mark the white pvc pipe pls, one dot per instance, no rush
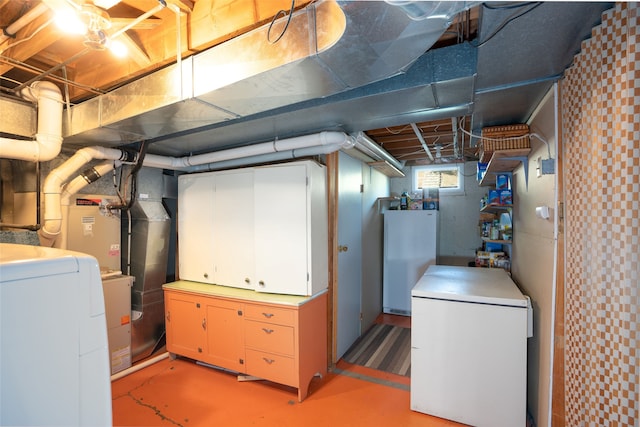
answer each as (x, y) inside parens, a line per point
(52, 189)
(72, 188)
(271, 157)
(321, 143)
(19, 23)
(79, 182)
(48, 140)
(139, 366)
(251, 151)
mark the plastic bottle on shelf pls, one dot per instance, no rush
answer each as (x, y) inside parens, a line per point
(404, 201)
(495, 231)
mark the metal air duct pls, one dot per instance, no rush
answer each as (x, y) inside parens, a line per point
(329, 47)
(148, 253)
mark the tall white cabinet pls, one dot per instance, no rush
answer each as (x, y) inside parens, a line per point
(261, 228)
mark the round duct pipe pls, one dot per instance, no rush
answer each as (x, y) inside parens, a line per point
(48, 140)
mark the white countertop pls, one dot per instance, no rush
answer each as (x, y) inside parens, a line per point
(469, 284)
(237, 293)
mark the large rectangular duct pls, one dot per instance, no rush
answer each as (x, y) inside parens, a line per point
(328, 47)
(148, 257)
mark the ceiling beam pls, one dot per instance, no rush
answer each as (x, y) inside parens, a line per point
(147, 24)
(424, 144)
(135, 52)
(40, 34)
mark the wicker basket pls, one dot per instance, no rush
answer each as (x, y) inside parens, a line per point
(497, 138)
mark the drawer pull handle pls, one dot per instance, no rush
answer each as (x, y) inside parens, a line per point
(268, 315)
(268, 331)
(269, 361)
(204, 323)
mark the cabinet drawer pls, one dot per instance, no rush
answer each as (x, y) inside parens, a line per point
(269, 337)
(279, 369)
(265, 313)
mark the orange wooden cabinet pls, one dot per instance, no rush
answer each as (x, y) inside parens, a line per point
(205, 329)
(280, 338)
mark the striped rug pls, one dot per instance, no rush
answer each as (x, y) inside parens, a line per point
(383, 347)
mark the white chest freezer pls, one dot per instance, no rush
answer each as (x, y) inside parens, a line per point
(54, 363)
(469, 346)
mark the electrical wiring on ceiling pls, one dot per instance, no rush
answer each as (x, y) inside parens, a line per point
(286, 25)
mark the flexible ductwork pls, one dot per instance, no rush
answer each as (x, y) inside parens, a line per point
(52, 189)
(48, 140)
(320, 143)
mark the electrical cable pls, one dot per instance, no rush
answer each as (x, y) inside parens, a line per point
(133, 177)
(286, 25)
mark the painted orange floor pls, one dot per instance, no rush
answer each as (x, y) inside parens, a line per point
(182, 393)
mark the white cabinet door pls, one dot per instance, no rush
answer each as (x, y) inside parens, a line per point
(232, 217)
(195, 228)
(261, 228)
(281, 231)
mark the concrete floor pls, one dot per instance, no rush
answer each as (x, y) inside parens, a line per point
(183, 393)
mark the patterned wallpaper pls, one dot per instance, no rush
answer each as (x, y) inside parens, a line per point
(601, 136)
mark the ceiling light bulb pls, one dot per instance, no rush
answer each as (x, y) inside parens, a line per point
(118, 48)
(69, 22)
(97, 40)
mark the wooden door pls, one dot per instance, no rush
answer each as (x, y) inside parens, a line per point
(185, 320)
(225, 335)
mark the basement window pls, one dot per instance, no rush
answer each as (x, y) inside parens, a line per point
(448, 179)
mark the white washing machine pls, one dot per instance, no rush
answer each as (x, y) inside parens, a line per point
(54, 363)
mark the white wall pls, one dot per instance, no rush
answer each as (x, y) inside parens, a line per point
(459, 216)
(533, 259)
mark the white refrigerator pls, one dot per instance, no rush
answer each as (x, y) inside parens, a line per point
(469, 334)
(410, 246)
